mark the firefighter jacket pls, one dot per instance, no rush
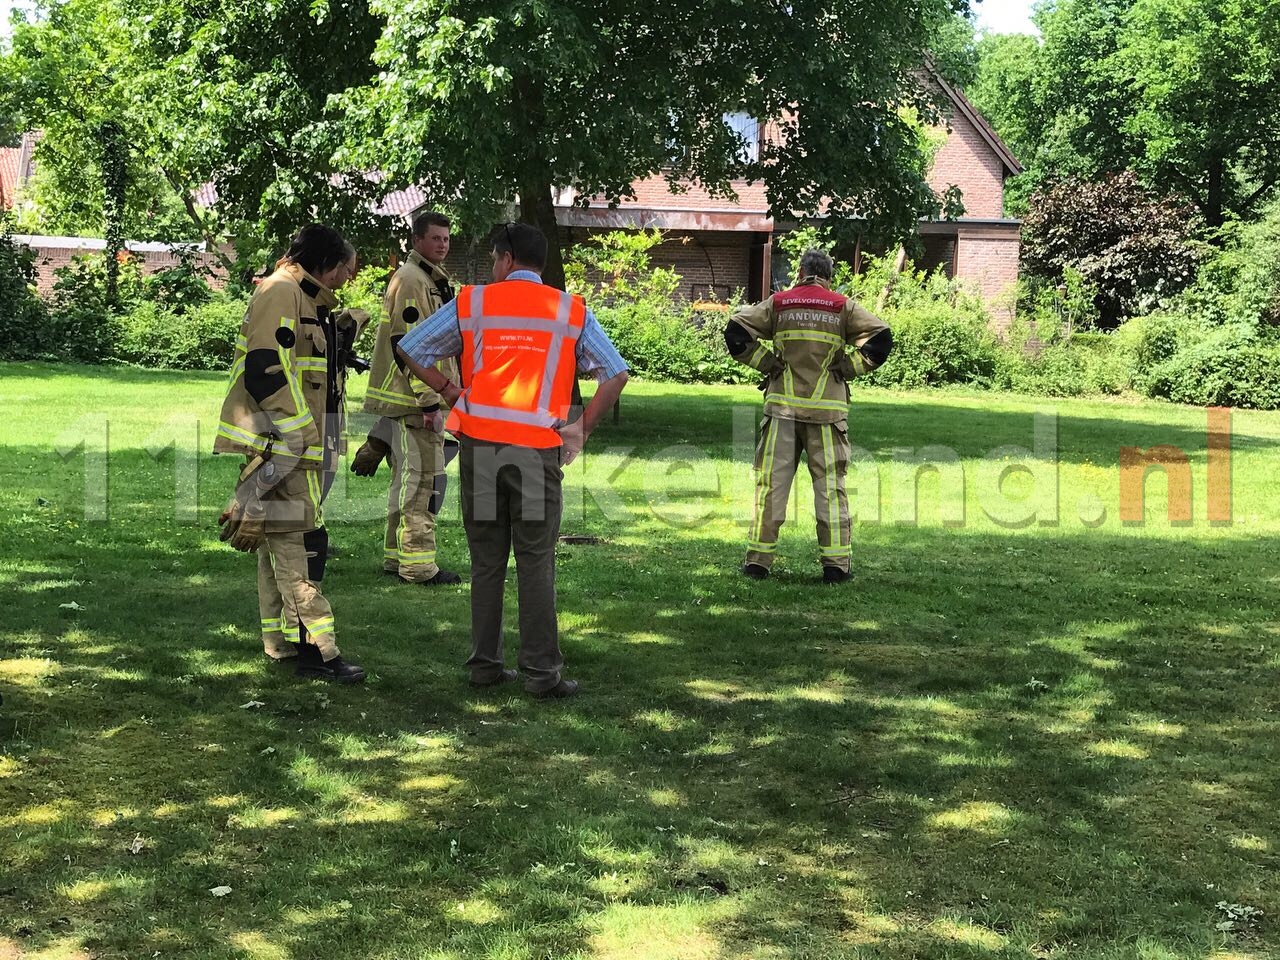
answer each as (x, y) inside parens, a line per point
(285, 380)
(798, 339)
(417, 290)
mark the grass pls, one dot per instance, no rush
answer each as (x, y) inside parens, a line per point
(1052, 741)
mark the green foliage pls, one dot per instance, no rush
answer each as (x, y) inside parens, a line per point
(936, 344)
(1241, 283)
(1230, 366)
(180, 288)
(24, 313)
(201, 337)
(1130, 247)
(660, 337)
(595, 95)
(83, 323)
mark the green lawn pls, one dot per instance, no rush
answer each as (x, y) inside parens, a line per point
(1050, 741)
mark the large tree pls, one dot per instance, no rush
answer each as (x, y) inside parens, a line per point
(484, 101)
(1185, 92)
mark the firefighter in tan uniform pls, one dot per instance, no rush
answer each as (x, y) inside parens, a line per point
(286, 382)
(410, 432)
(798, 339)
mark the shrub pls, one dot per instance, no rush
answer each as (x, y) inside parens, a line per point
(25, 319)
(934, 345)
(179, 288)
(83, 327)
(202, 338)
(1229, 366)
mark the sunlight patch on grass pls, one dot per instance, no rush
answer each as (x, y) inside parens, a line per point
(664, 720)
(106, 817)
(645, 637)
(1118, 748)
(166, 810)
(931, 705)
(28, 672)
(226, 801)
(86, 891)
(431, 784)
(870, 928)
(968, 934)
(477, 911)
(1252, 843)
(1159, 728)
(813, 693)
(722, 692)
(979, 762)
(255, 818)
(256, 945)
(369, 810)
(634, 932)
(979, 815)
(666, 797)
(8, 767)
(40, 815)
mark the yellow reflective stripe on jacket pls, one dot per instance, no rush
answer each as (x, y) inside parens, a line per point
(293, 424)
(388, 396)
(232, 432)
(806, 403)
(314, 364)
(287, 368)
(808, 336)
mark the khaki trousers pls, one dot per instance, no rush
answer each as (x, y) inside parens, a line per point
(288, 597)
(826, 447)
(417, 458)
(511, 501)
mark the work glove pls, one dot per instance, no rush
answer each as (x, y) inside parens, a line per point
(244, 525)
(371, 453)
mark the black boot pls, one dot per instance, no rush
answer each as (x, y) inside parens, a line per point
(336, 670)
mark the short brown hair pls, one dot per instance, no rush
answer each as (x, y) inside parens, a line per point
(429, 219)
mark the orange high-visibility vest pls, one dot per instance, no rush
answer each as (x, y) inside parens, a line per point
(519, 346)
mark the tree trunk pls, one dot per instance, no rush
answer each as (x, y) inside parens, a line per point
(899, 264)
(538, 208)
(1215, 194)
(115, 178)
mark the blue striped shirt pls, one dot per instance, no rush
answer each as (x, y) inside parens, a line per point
(438, 336)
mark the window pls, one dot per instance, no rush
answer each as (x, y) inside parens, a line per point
(748, 128)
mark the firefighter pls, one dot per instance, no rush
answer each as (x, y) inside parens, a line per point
(286, 379)
(410, 431)
(798, 339)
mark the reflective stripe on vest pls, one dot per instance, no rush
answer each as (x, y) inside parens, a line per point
(519, 341)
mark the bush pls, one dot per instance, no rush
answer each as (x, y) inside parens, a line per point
(82, 326)
(25, 319)
(934, 345)
(1226, 366)
(202, 338)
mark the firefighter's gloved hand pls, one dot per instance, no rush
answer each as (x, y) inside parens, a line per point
(243, 524)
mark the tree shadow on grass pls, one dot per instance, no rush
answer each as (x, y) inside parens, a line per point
(971, 752)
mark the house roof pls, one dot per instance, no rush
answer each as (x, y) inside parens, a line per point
(970, 113)
(10, 166)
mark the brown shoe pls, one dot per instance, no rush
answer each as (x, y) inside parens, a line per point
(561, 691)
(371, 453)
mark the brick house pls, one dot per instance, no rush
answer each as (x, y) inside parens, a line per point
(720, 246)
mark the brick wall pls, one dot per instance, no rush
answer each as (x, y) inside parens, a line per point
(968, 161)
(55, 252)
(988, 262)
